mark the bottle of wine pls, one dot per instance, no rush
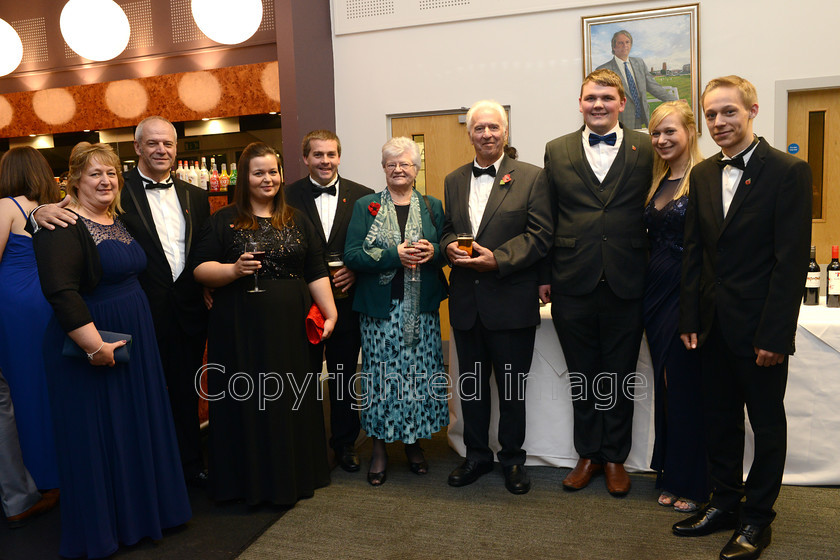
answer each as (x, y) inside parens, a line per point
(214, 176)
(192, 175)
(832, 293)
(232, 174)
(203, 174)
(812, 284)
(224, 179)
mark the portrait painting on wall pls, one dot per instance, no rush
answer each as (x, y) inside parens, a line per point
(654, 51)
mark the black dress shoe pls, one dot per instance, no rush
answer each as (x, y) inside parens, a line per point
(347, 457)
(517, 480)
(469, 472)
(705, 522)
(747, 543)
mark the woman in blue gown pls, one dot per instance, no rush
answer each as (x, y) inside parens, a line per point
(26, 181)
(121, 478)
(679, 452)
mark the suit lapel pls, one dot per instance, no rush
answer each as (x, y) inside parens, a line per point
(747, 179)
(462, 204)
(717, 193)
(631, 156)
(497, 193)
(581, 166)
(343, 211)
(184, 199)
(135, 190)
(309, 208)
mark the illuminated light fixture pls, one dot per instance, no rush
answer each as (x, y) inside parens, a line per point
(236, 26)
(95, 29)
(10, 47)
(206, 119)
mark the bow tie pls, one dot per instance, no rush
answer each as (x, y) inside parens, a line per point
(318, 191)
(479, 171)
(150, 186)
(609, 139)
(737, 162)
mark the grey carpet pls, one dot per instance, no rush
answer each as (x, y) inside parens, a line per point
(422, 517)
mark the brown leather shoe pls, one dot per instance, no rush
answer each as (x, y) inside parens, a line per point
(581, 474)
(618, 483)
(48, 501)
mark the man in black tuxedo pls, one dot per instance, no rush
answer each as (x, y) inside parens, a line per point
(165, 215)
(327, 200)
(598, 178)
(493, 302)
(747, 235)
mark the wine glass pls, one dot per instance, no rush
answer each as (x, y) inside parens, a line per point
(258, 251)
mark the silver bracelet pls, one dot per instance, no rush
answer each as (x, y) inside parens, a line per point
(90, 355)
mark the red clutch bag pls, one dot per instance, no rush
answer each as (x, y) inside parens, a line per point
(314, 325)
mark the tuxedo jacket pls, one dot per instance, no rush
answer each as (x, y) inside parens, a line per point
(598, 231)
(517, 227)
(748, 268)
(644, 84)
(299, 195)
(178, 301)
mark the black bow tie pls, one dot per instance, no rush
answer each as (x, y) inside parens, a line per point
(318, 191)
(609, 139)
(737, 161)
(158, 185)
(479, 171)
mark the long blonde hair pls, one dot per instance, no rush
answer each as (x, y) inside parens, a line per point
(660, 166)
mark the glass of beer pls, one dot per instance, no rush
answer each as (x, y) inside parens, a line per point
(335, 262)
(465, 242)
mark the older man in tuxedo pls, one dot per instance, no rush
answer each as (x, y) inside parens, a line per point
(165, 215)
(747, 235)
(598, 177)
(493, 305)
(637, 81)
(327, 200)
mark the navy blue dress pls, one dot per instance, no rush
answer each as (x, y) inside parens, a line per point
(120, 471)
(679, 451)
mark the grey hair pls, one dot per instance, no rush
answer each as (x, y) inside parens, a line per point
(615, 36)
(398, 146)
(138, 132)
(486, 104)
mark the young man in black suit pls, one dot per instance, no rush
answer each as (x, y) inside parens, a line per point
(165, 215)
(493, 306)
(747, 235)
(598, 177)
(327, 200)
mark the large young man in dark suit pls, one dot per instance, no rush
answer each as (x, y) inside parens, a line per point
(598, 177)
(328, 200)
(493, 305)
(165, 215)
(747, 235)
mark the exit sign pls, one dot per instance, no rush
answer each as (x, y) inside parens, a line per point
(191, 145)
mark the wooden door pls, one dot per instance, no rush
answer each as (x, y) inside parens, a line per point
(446, 146)
(814, 124)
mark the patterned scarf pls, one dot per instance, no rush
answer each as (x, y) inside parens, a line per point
(383, 234)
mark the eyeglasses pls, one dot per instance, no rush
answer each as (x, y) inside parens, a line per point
(398, 165)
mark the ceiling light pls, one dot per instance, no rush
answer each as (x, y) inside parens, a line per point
(235, 26)
(95, 29)
(10, 47)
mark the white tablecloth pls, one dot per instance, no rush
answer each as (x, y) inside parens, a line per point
(812, 402)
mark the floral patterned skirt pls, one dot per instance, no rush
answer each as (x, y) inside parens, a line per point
(404, 389)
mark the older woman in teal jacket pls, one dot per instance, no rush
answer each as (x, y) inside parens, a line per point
(392, 245)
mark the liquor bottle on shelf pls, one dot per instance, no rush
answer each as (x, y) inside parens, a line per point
(192, 176)
(832, 292)
(812, 283)
(179, 172)
(203, 174)
(214, 176)
(224, 179)
(232, 174)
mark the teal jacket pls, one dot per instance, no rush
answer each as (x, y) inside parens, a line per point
(374, 299)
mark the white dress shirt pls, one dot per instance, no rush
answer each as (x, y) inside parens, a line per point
(601, 156)
(731, 177)
(480, 188)
(170, 224)
(327, 205)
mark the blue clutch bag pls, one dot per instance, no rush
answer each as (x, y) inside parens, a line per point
(121, 355)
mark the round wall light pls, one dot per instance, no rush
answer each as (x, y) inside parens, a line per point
(11, 49)
(222, 24)
(95, 29)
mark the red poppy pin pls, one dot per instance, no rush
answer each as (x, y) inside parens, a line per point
(505, 180)
(343, 200)
(373, 208)
(748, 181)
(634, 148)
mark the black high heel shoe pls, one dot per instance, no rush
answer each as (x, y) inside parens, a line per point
(378, 478)
(419, 467)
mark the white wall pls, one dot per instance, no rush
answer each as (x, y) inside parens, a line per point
(533, 63)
